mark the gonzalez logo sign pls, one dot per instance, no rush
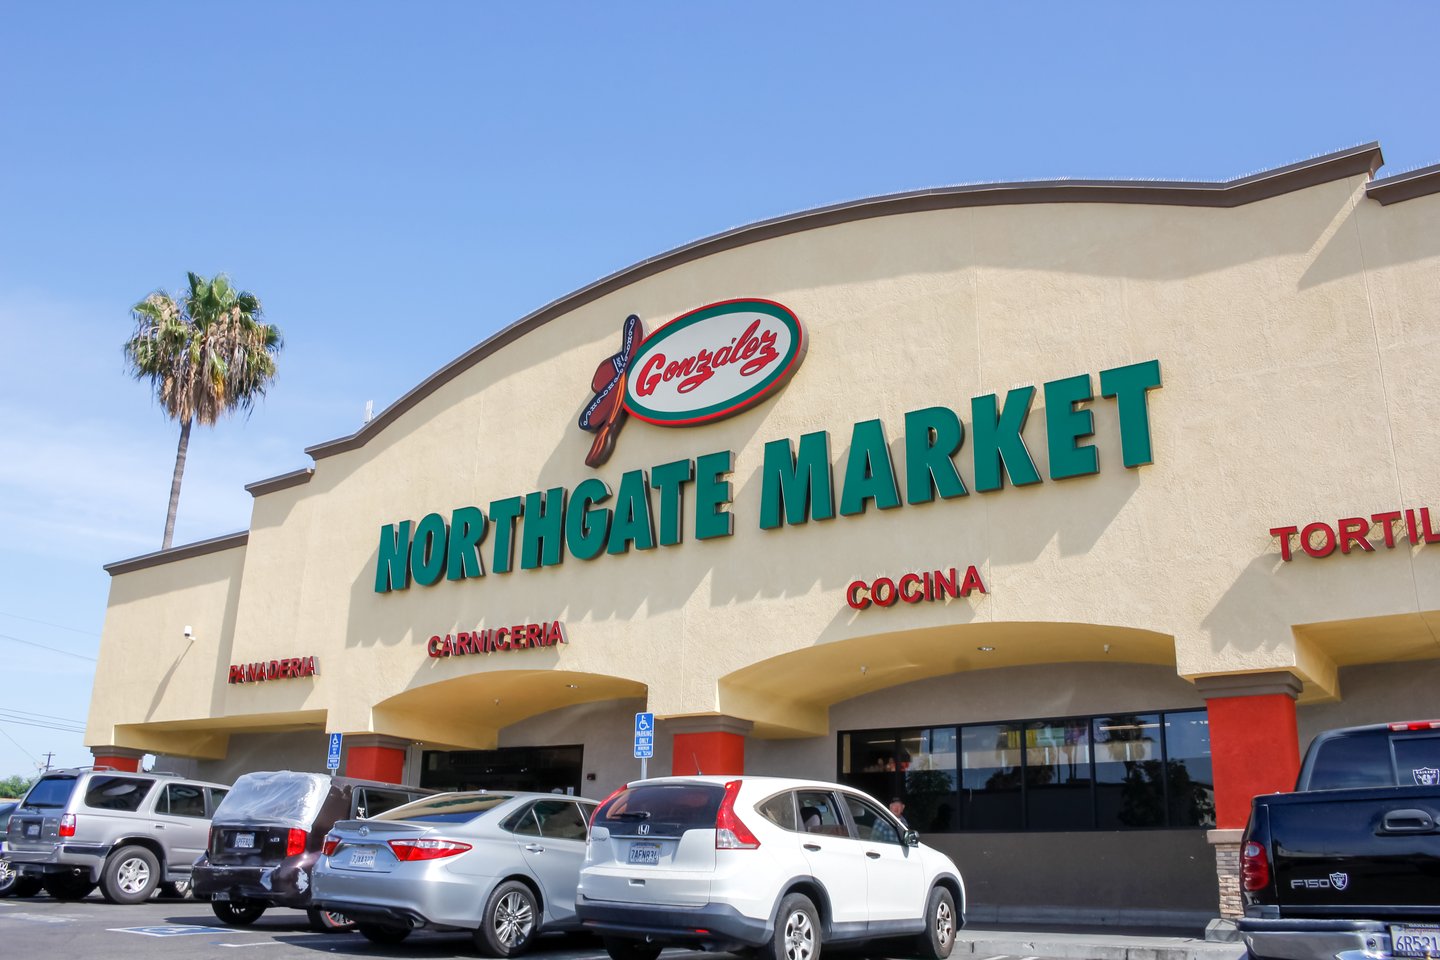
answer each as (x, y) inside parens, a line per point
(705, 365)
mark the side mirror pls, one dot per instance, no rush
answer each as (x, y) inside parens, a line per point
(911, 838)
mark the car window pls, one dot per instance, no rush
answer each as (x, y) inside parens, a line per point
(216, 795)
(1417, 761)
(560, 820)
(117, 793)
(447, 807)
(780, 810)
(819, 813)
(370, 801)
(870, 823)
(523, 822)
(182, 800)
(669, 808)
(50, 792)
(1353, 760)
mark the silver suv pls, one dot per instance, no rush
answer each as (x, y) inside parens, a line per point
(128, 832)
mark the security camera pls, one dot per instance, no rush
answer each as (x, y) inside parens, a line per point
(189, 633)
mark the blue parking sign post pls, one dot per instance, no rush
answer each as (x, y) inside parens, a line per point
(644, 740)
(332, 759)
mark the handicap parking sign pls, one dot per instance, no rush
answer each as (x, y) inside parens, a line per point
(644, 736)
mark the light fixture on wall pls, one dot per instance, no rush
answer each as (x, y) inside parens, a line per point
(189, 632)
(986, 649)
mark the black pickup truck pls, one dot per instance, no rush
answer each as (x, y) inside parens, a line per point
(1348, 866)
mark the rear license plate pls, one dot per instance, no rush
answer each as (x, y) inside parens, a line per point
(33, 830)
(362, 858)
(1412, 941)
(244, 841)
(645, 853)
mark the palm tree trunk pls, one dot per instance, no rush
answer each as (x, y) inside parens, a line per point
(175, 484)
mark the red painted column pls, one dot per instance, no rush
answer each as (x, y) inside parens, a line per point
(1254, 745)
(373, 756)
(707, 745)
(121, 758)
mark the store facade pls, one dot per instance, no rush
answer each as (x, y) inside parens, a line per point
(1063, 512)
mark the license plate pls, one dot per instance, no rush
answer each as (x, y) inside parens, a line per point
(220, 895)
(645, 853)
(1412, 941)
(362, 858)
(244, 841)
(32, 831)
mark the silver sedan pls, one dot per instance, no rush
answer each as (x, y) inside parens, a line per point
(503, 865)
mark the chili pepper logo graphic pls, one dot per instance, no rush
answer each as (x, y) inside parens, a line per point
(605, 414)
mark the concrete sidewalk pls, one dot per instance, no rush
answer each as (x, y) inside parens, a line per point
(990, 942)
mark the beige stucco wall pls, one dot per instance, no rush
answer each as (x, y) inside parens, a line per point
(1291, 333)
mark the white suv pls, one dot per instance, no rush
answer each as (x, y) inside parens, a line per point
(786, 865)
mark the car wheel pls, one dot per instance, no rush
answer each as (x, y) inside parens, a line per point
(131, 874)
(797, 930)
(620, 948)
(8, 876)
(179, 890)
(328, 921)
(940, 926)
(25, 887)
(511, 919)
(382, 932)
(67, 886)
(237, 913)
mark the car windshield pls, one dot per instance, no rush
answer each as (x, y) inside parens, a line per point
(283, 797)
(50, 792)
(447, 808)
(682, 806)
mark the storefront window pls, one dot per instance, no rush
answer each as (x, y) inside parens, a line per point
(1057, 775)
(1129, 788)
(990, 777)
(868, 763)
(1190, 781)
(927, 764)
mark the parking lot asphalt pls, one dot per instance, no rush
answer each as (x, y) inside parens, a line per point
(184, 929)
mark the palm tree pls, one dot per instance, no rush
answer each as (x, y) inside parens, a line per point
(206, 354)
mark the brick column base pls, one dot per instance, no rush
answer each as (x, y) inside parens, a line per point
(1227, 871)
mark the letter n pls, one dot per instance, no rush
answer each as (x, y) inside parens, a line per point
(392, 568)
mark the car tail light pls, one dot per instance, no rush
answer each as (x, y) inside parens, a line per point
(67, 825)
(1254, 867)
(1416, 725)
(295, 842)
(730, 832)
(603, 803)
(331, 842)
(426, 849)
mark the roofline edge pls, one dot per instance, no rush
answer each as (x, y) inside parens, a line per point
(1419, 182)
(183, 552)
(282, 482)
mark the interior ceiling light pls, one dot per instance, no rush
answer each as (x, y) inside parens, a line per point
(986, 649)
(573, 686)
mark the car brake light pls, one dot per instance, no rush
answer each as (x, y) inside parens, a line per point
(730, 832)
(406, 850)
(295, 842)
(1254, 867)
(331, 842)
(67, 825)
(1416, 725)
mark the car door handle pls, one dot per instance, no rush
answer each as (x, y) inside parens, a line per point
(1408, 821)
(159, 826)
(872, 854)
(534, 848)
(812, 846)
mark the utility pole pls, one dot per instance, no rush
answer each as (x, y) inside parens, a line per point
(48, 758)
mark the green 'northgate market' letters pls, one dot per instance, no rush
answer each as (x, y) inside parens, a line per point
(797, 484)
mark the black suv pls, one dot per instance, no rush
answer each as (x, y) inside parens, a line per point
(267, 835)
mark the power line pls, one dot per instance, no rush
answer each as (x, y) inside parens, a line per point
(57, 626)
(21, 748)
(61, 728)
(42, 716)
(32, 643)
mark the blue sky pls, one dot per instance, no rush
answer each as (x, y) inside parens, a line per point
(398, 181)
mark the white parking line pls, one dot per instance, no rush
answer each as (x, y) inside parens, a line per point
(40, 918)
(262, 943)
(998, 956)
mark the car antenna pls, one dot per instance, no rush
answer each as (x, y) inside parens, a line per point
(698, 771)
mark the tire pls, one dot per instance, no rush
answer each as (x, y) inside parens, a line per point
(328, 921)
(67, 886)
(797, 930)
(620, 948)
(179, 890)
(8, 878)
(25, 887)
(382, 933)
(941, 925)
(237, 913)
(131, 875)
(510, 921)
